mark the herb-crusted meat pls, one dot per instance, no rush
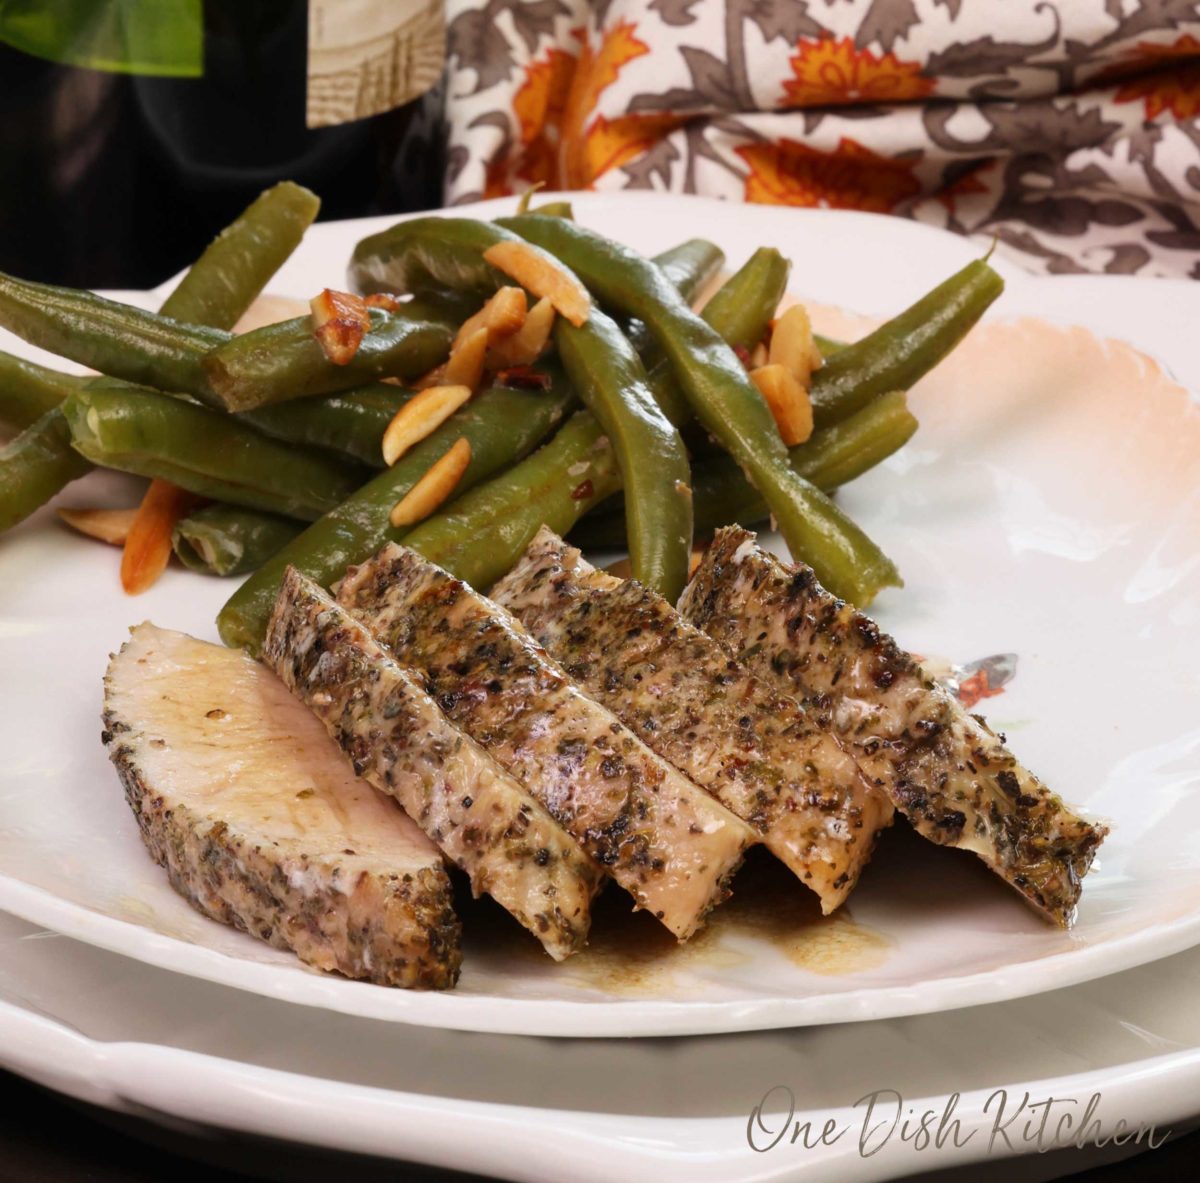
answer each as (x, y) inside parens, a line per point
(399, 740)
(944, 769)
(683, 695)
(260, 821)
(661, 837)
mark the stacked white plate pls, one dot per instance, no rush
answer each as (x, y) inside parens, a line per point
(1046, 512)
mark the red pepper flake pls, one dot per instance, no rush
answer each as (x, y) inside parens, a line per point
(583, 491)
(976, 687)
(523, 378)
(743, 355)
(384, 300)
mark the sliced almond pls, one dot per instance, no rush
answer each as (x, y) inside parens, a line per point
(464, 367)
(544, 276)
(529, 342)
(792, 345)
(433, 488)
(502, 316)
(148, 543)
(340, 321)
(422, 414)
(788, 400)
(105, 525)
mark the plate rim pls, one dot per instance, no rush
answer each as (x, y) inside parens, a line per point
(217, 1091)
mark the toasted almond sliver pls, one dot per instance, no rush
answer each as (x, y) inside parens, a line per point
(423, 413)
(433, 488)
(340, 320)
(502, 315)
(792, 345)
(465, 364)
(148, 543)
(529, 342)
(544, 276)
(105, 525)
(789, 402)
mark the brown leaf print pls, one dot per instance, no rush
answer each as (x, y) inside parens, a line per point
(779, 20)
(675, 12)
(886, 22)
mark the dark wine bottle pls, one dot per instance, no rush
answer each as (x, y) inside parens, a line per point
(119, 179)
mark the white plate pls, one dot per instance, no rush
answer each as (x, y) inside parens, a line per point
(150, 1043)
(1047, 508)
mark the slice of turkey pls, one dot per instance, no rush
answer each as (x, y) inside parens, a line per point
(260, 821)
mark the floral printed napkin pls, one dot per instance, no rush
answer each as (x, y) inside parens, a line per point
(1068, 130)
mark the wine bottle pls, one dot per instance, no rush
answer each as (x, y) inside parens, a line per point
(124, 149)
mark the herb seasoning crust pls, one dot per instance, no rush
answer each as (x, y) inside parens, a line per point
(943, 768)
(678, 690)
(661, 837)
(260, 822)
(398, 740)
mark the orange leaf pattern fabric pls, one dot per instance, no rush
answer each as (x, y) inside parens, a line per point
(1068, 133)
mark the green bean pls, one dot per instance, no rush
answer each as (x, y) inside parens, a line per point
(690, 266)
(276, 362)
(285, 361)
(834, 456)
(352, 423)
(216, 284)
(610, 379)
(907, 347)
(501, 425)
(36, 465)
(117, 339)
(237, 264)
(431, 252)
(28, 391)
(740, 312)
(746, 303)
(485, 531)
(205, 452)
(827, 345)
(230, 540)
(726, 403)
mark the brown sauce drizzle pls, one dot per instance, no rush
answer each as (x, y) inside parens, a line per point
(630, 954)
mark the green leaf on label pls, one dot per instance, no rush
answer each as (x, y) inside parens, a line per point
(161, 37)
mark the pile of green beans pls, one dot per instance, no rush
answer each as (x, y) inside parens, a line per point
(272, 432)
(727, 405)
(218, 288)
(484, 533)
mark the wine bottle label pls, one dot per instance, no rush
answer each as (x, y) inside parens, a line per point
(369, 56)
